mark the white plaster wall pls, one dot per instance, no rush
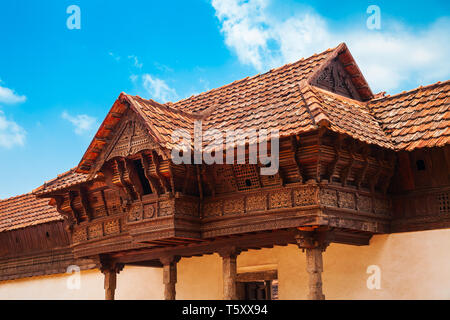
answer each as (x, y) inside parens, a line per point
(413, 266)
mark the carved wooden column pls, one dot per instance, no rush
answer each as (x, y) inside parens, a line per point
(229, 257)
(314, 242)
(110, 270)
(169, 276)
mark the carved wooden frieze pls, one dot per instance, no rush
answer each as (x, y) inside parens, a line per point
(256, 203)
(150, 210)
(346, 200)
(233, 206)
(212, 208)
(188, 207)
(281, 199)
(305, 196)
(79, 235)
(135, 212)
(364, 203)
(112, 227)
(328, 197)
(382, 206)
(95, 231)
(166, 208)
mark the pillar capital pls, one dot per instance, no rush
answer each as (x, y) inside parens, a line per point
(314, 239)
(107, 265)
(229, 252)
(110, 269)
(167, 260)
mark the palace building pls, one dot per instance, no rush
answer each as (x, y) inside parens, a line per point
(358, 209)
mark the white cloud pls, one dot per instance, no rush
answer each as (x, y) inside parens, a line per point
(83, 123)
(8, 96)
(11, 134)
(136, 62)
(389, 58)
(157, 89)
(114, 56)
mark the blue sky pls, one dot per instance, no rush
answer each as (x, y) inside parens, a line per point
(56, 84)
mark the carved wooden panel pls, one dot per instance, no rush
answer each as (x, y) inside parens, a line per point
(150, 210)
(346, 200)
(79, 235)
(256, 203)
(95, 231)
(166, 208)
(328, 197)
(132, 137)
(364, 203)
(186, 207)
(305, 196)
(334, 78)
(112, 227)
(232, 206)
(281, 199)
(212, 208)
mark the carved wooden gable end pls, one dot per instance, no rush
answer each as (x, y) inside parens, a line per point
(334, 78)
(132, 137)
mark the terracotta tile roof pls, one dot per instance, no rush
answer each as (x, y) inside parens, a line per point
(63, 180)
(162, 119)
(350, 117)
(269, 100)
(284, 99)
(418, 118)
(262, 92)
(24, 211)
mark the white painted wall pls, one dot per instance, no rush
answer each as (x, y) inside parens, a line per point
(413, 265)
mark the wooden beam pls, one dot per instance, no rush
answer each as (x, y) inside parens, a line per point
(199, 181)
(257, 276)
(105, 205)
(85, 203)
(186, 178)
(149, 178)
(297, 163)
(161, 178)
(76, 214)
(347, 170)
(362, 176)
(338, 151)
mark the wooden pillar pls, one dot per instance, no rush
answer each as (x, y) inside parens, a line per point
(229, 269)
(314, 267)
(314, 243)
(110, 270)
(169, 276)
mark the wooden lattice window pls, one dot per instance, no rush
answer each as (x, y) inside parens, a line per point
(246, 176)
(225, 181)
(444, 203)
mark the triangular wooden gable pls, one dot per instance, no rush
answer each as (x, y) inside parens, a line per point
(336, 79)
(340, 74)
(130, 137)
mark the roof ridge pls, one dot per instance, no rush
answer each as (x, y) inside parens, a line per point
(16, 196)
(436, 84)
(167, 106)
(303, 59)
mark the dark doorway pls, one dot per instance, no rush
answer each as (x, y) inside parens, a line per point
(262, 285)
